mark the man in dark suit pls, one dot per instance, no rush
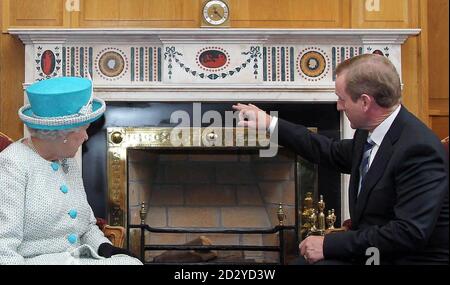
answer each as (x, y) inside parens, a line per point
(398, 191)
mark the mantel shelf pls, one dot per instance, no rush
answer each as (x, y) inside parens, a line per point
(124, 35)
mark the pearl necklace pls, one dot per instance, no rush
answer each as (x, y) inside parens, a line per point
(63, 162)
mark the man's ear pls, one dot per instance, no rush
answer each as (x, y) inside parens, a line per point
(367, 101)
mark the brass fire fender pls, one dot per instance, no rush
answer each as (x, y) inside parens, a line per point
(119, 139)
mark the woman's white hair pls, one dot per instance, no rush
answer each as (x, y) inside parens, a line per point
(51, 135)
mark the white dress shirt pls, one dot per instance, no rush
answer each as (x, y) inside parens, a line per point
(380, 131)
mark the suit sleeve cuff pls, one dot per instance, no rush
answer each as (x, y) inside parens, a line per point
(272, 125)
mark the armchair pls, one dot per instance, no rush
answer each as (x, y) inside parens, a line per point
(114, 233)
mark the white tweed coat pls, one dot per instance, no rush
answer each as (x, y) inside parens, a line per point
(45, 217)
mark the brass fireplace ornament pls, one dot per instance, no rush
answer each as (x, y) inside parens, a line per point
(331, 219)
(280, 214)
(142, 213)
(314, 220)
(321, 217)
(306, 214)
(116, 137)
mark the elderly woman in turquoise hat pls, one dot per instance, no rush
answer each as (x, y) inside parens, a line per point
(45, 217)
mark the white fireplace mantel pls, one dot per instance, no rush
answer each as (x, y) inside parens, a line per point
(165, 64)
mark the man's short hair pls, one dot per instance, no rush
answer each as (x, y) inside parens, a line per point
(374, 75)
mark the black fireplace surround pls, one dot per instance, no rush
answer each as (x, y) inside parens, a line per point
(323, 116)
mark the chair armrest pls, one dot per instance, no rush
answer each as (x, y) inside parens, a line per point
(4, 141)
(115, 234)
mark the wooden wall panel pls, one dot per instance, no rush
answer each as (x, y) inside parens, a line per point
(438, 64)
(439, 120)
(384, 13)
(414, 98)
(289, 13)
(37, 13)
(12, 74)
(137, 13)
(100, 10)
(439, 125)
(438, 48)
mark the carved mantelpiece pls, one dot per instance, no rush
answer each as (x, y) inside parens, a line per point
(171, 64)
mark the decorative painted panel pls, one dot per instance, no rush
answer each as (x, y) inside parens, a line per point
(47, 62)
(378, 50)
(187, 63)
(77, 61)
(191, 63)
(278, 63)
(145, 64)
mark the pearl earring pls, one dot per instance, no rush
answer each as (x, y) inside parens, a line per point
(65, 141)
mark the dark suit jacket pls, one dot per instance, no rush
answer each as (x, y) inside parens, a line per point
(403, 207)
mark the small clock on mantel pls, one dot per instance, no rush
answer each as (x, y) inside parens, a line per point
(215, 13)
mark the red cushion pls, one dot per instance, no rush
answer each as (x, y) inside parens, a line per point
(347, 224)
(101, 223)
(4, 141)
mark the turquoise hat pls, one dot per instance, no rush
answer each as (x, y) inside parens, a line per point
(61, 103)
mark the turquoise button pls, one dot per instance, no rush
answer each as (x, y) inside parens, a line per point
(55, 166)
(73, 213)
(72, 238)
(64, 189)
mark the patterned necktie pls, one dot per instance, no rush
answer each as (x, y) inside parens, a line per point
(364, 167)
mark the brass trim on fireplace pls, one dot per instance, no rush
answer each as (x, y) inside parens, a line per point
(120, 139)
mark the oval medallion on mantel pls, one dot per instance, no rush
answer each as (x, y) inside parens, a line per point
(212, 58)
(48, 62)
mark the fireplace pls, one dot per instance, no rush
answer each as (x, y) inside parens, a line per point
(206, 190)
(147, 74)
(229, 198)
